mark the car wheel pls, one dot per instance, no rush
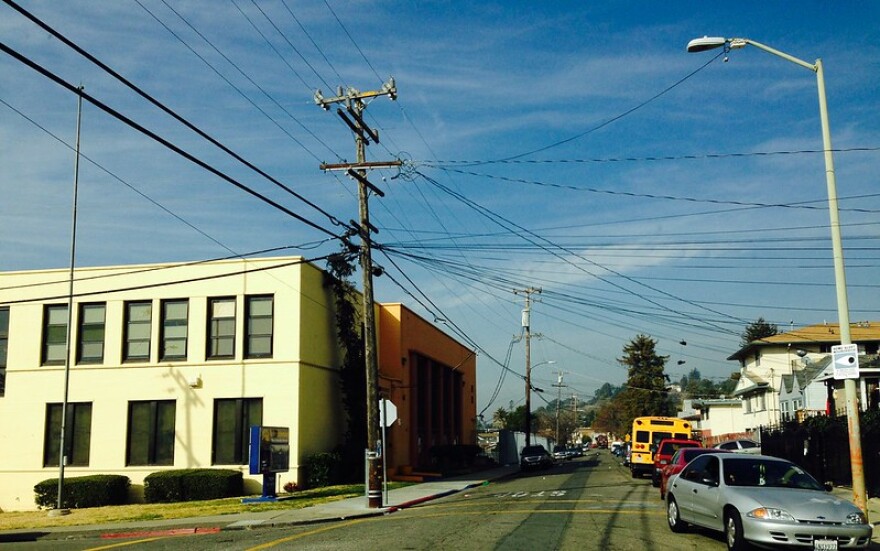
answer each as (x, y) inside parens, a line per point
(673, 516)
(733, 532)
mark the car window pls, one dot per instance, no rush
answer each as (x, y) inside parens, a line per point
(713, 469)
(695, 468)
(675, 457)
(744, 444)
(728, 446)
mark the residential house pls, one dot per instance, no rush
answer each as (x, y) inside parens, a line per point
(172, 363)
(715, 419)
(764, 363)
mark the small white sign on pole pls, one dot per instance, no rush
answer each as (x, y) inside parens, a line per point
(387, 412)
(846, 361)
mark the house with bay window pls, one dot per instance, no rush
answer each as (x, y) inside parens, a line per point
(171, 364)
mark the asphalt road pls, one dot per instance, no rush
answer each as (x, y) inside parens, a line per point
(580, 504)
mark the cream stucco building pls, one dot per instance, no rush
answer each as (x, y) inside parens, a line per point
(172, 364)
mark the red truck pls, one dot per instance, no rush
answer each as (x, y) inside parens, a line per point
(602, 441)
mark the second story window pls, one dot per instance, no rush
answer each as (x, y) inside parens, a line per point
(138, 329)
(175, 316)
(4, 346)
(221, 327)
(91, 333)
(54, 334)
(258, 340)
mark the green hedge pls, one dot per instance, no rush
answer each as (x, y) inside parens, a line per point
(83, 491)
(322, 469)
(192, 485)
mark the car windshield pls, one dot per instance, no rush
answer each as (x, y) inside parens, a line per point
(769, 473)
(533, 450)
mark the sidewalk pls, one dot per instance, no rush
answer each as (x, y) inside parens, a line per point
(355, 507)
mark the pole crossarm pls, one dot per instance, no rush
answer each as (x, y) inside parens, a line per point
(370, 165)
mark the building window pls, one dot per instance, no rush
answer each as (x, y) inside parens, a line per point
(258, 341)
(747, 405)
(4, 346)
(150, 433)
(233, 419)
(91, 333)
(138, 329)
(175, 316)
(54, 334)
(77, 434)
(761, 405)
(221, 328)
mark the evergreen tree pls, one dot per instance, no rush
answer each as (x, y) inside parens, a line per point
(757, 330)
(645, 392)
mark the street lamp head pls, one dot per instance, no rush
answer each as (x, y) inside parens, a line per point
(706, 43)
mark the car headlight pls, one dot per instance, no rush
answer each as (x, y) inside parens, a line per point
(769, 513)
(856, 518)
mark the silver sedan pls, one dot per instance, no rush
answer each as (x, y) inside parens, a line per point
(763, 500)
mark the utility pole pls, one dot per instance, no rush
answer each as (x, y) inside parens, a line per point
(353, 100)
(559, 387)
(526, 323)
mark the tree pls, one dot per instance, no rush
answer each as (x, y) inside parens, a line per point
(499, 418)
(758, 330)
(645, 392)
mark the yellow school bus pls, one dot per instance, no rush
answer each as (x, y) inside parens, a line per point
(647, 432)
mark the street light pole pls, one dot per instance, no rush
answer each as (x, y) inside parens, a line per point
(852, 407)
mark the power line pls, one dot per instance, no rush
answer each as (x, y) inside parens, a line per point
(155, 137)
(152, 100)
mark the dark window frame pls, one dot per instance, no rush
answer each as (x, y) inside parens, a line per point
(215, 337)
(167, 326)
(85, 333)
(128, 341)
(77, 434)
(4, 346)
(245, 412)
(51, 334)
(250, 333)
(159, 447)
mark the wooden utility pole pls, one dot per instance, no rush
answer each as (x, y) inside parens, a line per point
(526, 323)
(353, 100)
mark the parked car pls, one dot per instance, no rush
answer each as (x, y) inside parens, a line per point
(535, 457)
(740, 446)
(627, 454)
(763, 500)
(681, 458)
(561, 452)
(666, 448)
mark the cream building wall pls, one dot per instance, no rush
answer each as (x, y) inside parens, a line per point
(297, 384)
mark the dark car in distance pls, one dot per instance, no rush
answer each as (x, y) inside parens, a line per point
(535, 457)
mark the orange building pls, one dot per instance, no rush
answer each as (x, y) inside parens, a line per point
(431, 378)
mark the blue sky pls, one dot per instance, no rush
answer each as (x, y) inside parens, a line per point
(571, 146)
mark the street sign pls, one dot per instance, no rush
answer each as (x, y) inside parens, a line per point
(846, 361)
(387, 412)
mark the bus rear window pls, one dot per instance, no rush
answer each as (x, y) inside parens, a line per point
(643, 436)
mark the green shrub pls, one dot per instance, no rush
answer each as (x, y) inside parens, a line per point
(83, 491)
(192, 485)
(322, 469)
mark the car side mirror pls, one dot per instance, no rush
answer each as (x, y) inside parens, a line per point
(709, 480)
(828, 486)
